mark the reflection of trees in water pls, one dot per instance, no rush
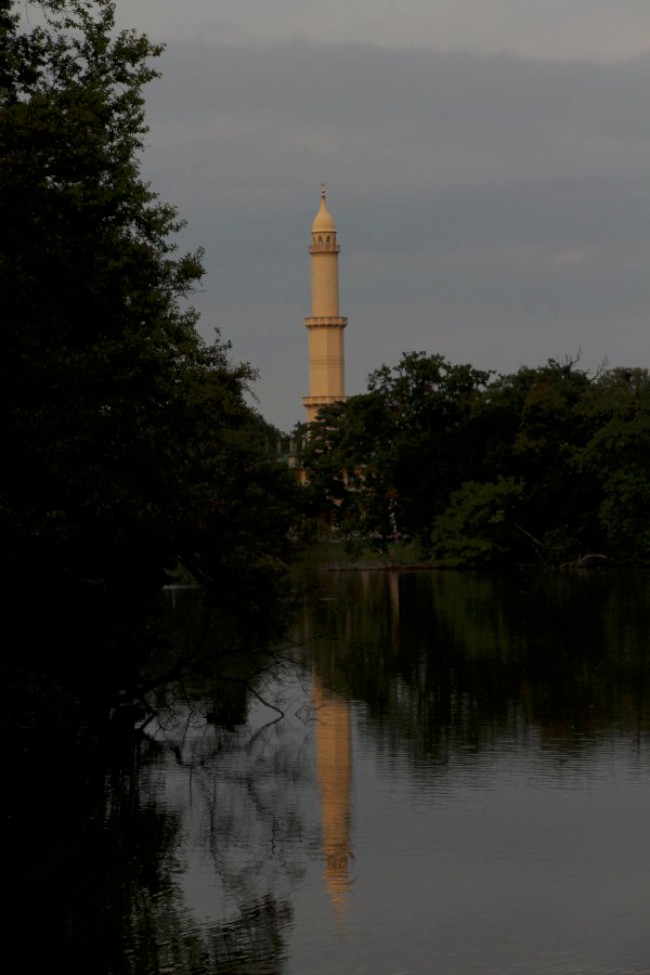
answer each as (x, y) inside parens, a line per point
(237, 799)
(220, 794)
(240, 836)
(448, 661)
(165, 940)
(98, 872)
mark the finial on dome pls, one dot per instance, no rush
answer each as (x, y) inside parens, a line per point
(323, 221)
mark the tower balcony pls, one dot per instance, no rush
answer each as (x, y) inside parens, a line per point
(323, 400)
(326, 321)
(324, 247)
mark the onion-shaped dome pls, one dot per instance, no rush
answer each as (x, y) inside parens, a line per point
(323, 221)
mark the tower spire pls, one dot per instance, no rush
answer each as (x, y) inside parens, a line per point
(325, 325)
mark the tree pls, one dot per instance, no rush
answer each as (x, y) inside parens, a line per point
(535, 427)
(128, 445)
(617, 457)
(397, 445)
(478, 526)
(342, 454)
(430, 405)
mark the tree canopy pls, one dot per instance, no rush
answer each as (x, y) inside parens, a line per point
(546, 466)
(129, 447)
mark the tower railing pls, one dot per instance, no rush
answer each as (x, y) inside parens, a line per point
(330, 249)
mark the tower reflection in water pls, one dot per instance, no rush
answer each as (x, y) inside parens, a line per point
(334, 759)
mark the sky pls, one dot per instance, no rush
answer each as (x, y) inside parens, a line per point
(487, 165)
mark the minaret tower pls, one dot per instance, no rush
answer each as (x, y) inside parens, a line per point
(325, 326)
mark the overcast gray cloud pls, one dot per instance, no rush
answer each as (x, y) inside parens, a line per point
(491, 206)
(547, 29)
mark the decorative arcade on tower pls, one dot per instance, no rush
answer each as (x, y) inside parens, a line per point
(325, 325)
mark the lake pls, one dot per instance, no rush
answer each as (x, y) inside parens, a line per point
(448, 774)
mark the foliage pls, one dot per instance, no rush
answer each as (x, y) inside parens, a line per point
(617, 455)
(129, 448)
(477, 527)
(388, 457)
(544, 466)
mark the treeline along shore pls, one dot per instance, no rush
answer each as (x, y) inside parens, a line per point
(548, 466)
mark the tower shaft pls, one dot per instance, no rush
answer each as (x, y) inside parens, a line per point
(325, 325)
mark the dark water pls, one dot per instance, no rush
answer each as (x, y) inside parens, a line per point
(459, 783)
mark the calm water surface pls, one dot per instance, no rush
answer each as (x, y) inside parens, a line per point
(460, 783)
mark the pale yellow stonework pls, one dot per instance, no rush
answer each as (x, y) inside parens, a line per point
(334, 763)
(325, 325)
